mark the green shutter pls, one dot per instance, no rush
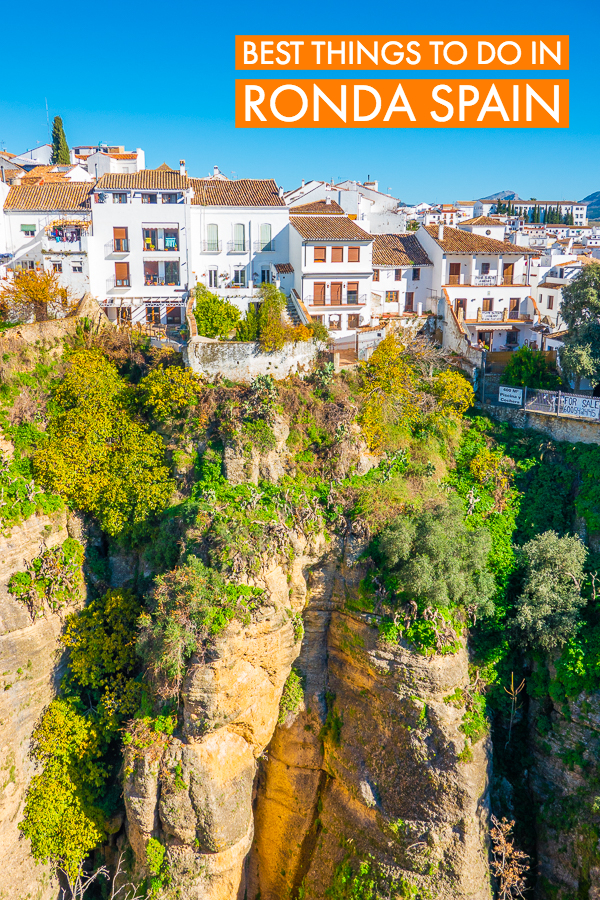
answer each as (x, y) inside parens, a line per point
(27, 227)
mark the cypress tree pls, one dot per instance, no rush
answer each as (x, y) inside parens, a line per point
(60, 148)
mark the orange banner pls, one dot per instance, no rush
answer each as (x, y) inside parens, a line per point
(411, 103)
(367, 52)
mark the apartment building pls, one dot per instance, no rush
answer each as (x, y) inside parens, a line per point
(239, 237)
(333, 265)
(525, 208)
(47, 227)
(139, 270)
(402, 276)
(103, 159)
(484, 282)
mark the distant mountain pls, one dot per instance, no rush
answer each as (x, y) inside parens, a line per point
(501, 195)
(593, 210)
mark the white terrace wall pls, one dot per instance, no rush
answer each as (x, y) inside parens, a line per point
(244, 361)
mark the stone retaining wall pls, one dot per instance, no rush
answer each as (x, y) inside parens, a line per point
(561, 428)
(244, 361)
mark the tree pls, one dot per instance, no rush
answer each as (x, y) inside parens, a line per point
(581, 311)
(215, 317)
(530, 368)
(509, 865)
(437, 561)
(547, 610)
(60, 148)
(272, 330)
(33, 296)
(96, 455)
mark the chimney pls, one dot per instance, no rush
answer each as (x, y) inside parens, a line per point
(328, 199)
(182, 167)
(303, 182)
(216, 170)
(281, 192)
(441, 231)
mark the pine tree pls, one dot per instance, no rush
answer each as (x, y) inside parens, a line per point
(60, 148)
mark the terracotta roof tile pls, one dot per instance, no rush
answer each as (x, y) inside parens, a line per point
(396, 250)
(147, 179)
(164, 168)
(328, 228)
(457, 241)
(243, 192)
(123, 155)
(284, 268)
(63, 196)
(482, 220)
(318, 208)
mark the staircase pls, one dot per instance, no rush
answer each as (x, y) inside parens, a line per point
(290, 313)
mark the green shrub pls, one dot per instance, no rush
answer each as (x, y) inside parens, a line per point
(292, 696)
(53, 579)
(261, 435)
(530, 368)
(215, 317)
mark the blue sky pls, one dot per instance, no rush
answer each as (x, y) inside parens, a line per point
(161, 76)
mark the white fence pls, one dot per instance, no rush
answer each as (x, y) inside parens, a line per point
(552, 403)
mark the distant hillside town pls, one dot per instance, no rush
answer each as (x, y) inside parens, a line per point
(347, 255)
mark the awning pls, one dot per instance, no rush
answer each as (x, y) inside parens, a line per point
(84, 224)
(492, 326)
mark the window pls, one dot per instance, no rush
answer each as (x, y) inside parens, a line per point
(239, 237)
(153, 315)
(212, 238)
(265, 275)
(123, 315)
(28, 230)
(397, 274)
(119, 198)
(454, 275)
(353, 320)
(120, 240)
(337, 254)
(485, 268)
(173, 315)
(172, 272)
(265, 237)
(488, 304)
(461, 303)
(416, 274)
(213, 278)
(151, 274)
(57, 267)
(121, 274)
(336, 291)
(335, 323)
(239, 277)
(514, 306)
(353, 254)
(171, 238)
(409, 303)
(352, 293)
(391, 296)
(319, 289)
(512, 337)
(375, 274)
(26, 264)
(550, 301)
(77, 268)
(320, 254)
(317, 319)
(148, 198)
(169, 198)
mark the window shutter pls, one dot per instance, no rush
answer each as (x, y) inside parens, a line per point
(337, 254)
(120, 234)
(239, 236)
(265, 236)
(353, 254)
(320, 254)
(27, 227)
(212, 236)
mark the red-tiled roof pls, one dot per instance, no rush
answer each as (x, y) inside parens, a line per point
(284, 268)
(243, 192)
(457, 241)
(147, 179)
(61, 196)
(396, 250)
(328, 228)
(318, 208)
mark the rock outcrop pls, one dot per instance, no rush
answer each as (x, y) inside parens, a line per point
(30, 676)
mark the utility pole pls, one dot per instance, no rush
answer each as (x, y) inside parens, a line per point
(47, 118)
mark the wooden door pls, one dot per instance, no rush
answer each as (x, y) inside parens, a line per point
(454, 276)
(319, 293)
(507, 273)
(122, 274)
(336, 291)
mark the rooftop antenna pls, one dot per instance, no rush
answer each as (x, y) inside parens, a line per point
(47, 118)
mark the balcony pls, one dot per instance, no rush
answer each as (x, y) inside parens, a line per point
(51, 245)
(211, 246)
(118, 245)
(237, 246)
(351, 300)
(487, 281)
(117, 284)
(171, 245)
(264, 246)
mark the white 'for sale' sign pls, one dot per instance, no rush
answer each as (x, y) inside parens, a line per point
(583, 407)
(510, 395)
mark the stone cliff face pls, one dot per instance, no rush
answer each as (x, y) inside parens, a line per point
(372, 759)
(30, 676)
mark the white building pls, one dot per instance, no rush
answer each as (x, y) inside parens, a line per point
(139, 268)
(485, 284)
(38, 156)
(402, 276)
(239, 237)
(47, 227)
(524, 208)
(333, 266)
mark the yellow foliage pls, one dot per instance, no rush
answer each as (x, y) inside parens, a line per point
(453, 391)
(35, 295)
(170, 391)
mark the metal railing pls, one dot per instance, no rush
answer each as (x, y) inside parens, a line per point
(211, 246)
(264, 246)
(549, 403)
(357, 300)
(237, 246)
(118, 245)
(114, 282)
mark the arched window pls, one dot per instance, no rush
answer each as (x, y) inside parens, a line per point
(265, 237)
(239, 237)
(212, 238)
